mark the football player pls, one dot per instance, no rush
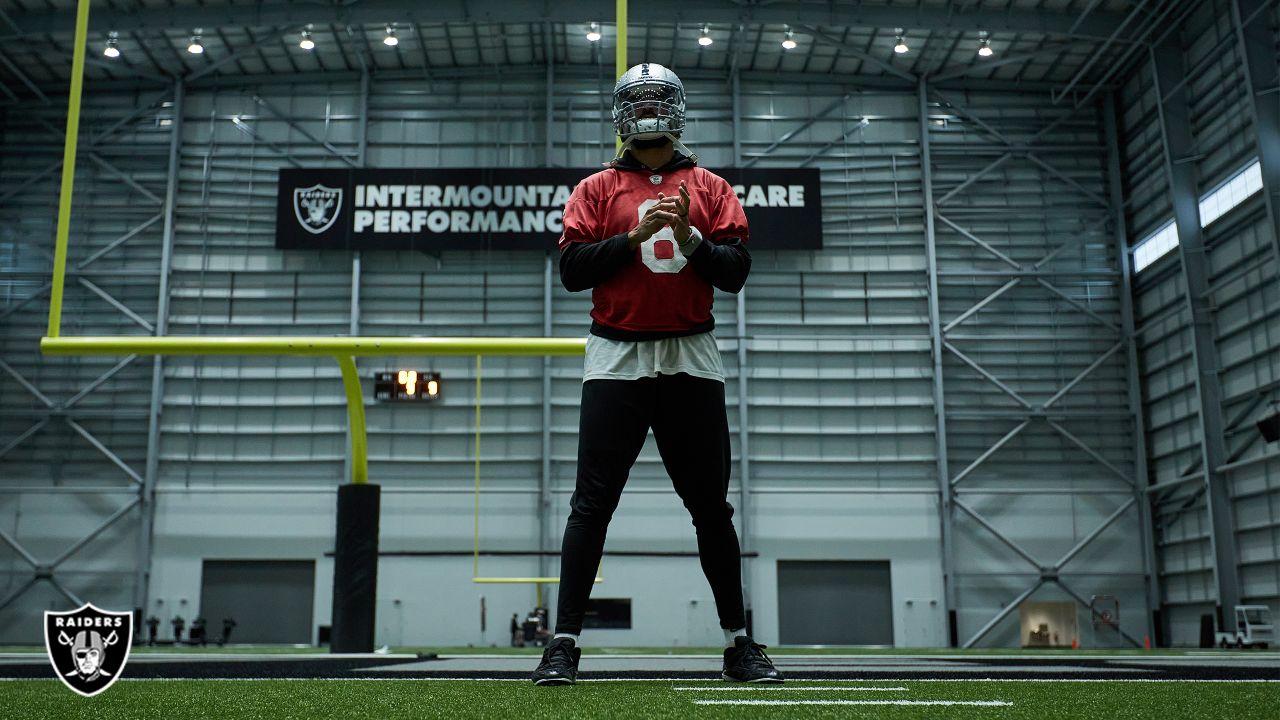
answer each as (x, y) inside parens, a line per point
(650, 236)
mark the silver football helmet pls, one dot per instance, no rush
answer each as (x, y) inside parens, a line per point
(648, 102)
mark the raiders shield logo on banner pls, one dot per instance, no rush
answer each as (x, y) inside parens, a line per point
(88, 647)
(317, 207)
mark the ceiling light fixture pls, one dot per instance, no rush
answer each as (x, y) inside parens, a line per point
(112, 50)
(194, 47)
(593, 33)
(306, 43)
(391, 40)
(900, 46)
(984, 46)
(705, 38)
(789, 42)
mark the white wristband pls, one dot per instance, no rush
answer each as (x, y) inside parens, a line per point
(691, 243)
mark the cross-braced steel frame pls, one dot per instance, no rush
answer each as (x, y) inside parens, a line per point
(140, 486)
(1040, 276)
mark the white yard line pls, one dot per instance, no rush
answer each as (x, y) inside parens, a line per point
(1084, 655)
(481, 679)
(801, 688)
(236, 657)
(973, 703)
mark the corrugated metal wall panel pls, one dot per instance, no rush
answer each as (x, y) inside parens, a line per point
(1036, 311)
(1242, 270)
(96, 415)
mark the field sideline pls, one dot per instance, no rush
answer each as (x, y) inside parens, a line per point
(247, 683)
(405, 699)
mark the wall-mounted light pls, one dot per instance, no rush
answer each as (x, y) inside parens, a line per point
(112, 50)
(900, 46)
(984, 46)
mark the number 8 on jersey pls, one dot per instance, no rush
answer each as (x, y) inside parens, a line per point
(659, 253)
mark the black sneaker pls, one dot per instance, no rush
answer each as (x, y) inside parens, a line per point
(559, 664)
(746, 662)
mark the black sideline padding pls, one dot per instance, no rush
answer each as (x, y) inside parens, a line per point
(355, 568)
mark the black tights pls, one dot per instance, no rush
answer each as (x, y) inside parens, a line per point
(687, 415)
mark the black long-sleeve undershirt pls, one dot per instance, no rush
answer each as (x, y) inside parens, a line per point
(585, 265)
(725, 265)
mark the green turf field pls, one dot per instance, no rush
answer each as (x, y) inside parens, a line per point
(396, 699)
(592, 650)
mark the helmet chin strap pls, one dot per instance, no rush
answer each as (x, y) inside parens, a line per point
(675, 143)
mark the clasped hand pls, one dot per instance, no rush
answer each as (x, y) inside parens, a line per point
(669, 210)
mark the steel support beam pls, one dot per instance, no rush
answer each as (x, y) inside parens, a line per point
(378, 12)
(1084, 541)
(1083, 373)
(1084, 603)
(22, 437)
(946, 510)
(835, 42)
(991, 528)
(546, 540)
(102, 526)
(26, 385)
(106, 451)
(1137, 42)
(151, 472)
(986, 374)
(990, 451)
(974, 178)
(17, 592)
(17, 547)
(566, 71)
(838, 104)
(1056, 97)
(120, 241)
(744, 370)
(117, 304)
(272, 36)
(546, 502)
(1091, 453)
(973, 309)
(341, 155)
(1013, 605)
(1167, 67)
(1151, 580)
(980, 242)
(46, 571)
(1077, 305)
(844, 137)
(61, 409)
(1262, 78)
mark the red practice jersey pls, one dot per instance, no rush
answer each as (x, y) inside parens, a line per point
(659, 291)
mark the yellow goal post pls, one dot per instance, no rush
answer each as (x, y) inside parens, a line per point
(344, 350)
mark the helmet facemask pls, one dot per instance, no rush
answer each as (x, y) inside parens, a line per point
(648, 105)
(648, 109)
